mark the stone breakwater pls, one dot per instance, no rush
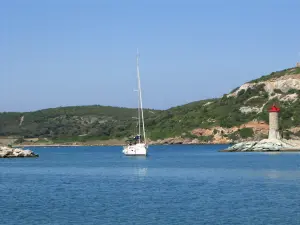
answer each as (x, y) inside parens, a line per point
(263, 146)
(7, 152)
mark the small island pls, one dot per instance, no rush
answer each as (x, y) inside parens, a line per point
(8, 152)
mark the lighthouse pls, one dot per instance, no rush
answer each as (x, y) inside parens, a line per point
(273, 123)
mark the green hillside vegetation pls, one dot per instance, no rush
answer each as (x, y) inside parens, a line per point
(78, 123)
(277, 74)
(82, 123)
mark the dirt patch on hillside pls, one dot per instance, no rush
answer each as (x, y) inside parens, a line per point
(257, 126)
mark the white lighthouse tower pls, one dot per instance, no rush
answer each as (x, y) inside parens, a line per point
(273, 123)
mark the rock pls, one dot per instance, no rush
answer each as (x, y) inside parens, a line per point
(187, 141)
(248, 109)
(258, 146)
(6, 152)
(195, 141)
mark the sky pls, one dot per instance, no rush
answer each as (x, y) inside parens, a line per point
(83, 52)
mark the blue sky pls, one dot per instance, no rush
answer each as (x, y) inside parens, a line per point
(62, 52)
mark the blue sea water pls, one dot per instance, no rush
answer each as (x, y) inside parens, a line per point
(174, 185)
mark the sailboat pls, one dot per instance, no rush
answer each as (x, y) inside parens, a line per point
(138, 146)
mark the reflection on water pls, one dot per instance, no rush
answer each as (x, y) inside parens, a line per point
(157, 173)
(278, 153)
(284, 175)
(141, 172)
(138, 157)
(271, 153)
(273, 174)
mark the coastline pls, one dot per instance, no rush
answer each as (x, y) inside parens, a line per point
(35, 142)
(94, 145)
(120, 145)
(63, 145)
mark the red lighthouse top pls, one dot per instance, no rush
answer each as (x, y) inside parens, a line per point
(274, 109)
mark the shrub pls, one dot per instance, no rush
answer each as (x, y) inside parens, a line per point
(278, 91)
(233, 136)
(19, 141)
(292, 91)
(246, 132)
(205, 138)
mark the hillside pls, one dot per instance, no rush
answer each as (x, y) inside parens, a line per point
(239, 115)
(70, 124)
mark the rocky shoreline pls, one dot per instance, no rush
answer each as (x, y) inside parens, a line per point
(186, 141)
(95, 145)
(167, 141)
(7, 152)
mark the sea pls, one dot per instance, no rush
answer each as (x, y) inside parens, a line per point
(175, 184)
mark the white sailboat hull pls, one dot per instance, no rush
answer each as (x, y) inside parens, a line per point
(135, 150)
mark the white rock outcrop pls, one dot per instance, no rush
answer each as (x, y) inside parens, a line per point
(248, 109)
(260, 146)
(7, 152)
(284, 84)
(291, 98)
(207, 103)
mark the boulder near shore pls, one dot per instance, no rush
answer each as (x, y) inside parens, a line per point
(264, 145)
(7, 152)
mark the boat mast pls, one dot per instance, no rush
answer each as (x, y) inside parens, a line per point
(140, 96)
(139, 104)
